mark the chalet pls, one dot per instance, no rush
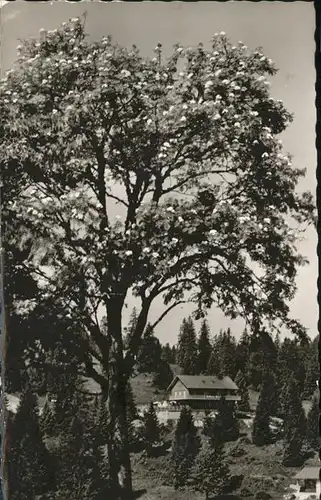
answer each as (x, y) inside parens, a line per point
(308, 484)
(201, 392)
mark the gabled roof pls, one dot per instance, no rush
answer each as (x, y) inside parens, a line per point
(204, 382)
(308, 473)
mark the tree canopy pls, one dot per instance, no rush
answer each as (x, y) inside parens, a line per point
(185, 148)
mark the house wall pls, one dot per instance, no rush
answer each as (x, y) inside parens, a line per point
(179, 391)
(304, 495)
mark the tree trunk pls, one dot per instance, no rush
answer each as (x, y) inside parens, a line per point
(118, 446)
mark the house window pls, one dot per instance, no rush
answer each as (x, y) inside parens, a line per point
(309, 486)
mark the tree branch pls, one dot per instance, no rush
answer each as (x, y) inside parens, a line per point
(162, 316)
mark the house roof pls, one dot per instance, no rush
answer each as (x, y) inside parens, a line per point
(308, 473)
(204, 382)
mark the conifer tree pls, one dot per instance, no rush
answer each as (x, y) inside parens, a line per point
(291, 366)
(313, 438)
(312, 369)
(150, 352)
(226, 427)
(29, 466)
(168, 353)
(187, 347)
(47, 419)
(214, 366)
(243, 352)
(261, 433)
(295, 427)
(204, 348)
(81, 463)
(131, 411)
(151, 430)
(185, 448)
(240, 380)
(211, 473)
(163, 375)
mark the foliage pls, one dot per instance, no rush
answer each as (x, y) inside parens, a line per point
(86, 124)
(211, 474)
(240, 380)
(295, 427)
(291, 365)
(204, 348)
(185, 448)
(313, 432)
(225, 423)
(187, 348)
(261, 433)
(163, 375)
(312, 368)
(149, 353)
(29, 465)
(151, 430)
(169, 353)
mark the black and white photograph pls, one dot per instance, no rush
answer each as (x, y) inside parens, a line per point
(158, 251)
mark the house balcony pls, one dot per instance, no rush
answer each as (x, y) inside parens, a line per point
(203, 397)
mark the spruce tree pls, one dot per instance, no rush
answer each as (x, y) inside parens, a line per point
(211, 473)
(151, 430)
(47, 419)
(150, 352)
(204, 348)
(312, 369)
(295, 427)
(244, 403)
(226, 426)
(187, 347)
(29, 465)
(243, 352)
(163, 375)
(313, 438)
(168, 353)
(261, 432)
(214, 366)
(185, 448)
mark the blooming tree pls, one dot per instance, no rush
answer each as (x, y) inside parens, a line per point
(186, 147)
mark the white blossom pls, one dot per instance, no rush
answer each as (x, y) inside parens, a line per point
(128, 253)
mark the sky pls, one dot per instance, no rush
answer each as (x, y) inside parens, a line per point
(263, 24)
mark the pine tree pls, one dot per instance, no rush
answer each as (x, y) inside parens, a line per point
(211, 473)
(204, 348)
(295, 427)
(240, 380)
(30, 468)
(151, 430)
(187, 347)
(185, 448)
(313, 437)
(226, 426)
(261, 433)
